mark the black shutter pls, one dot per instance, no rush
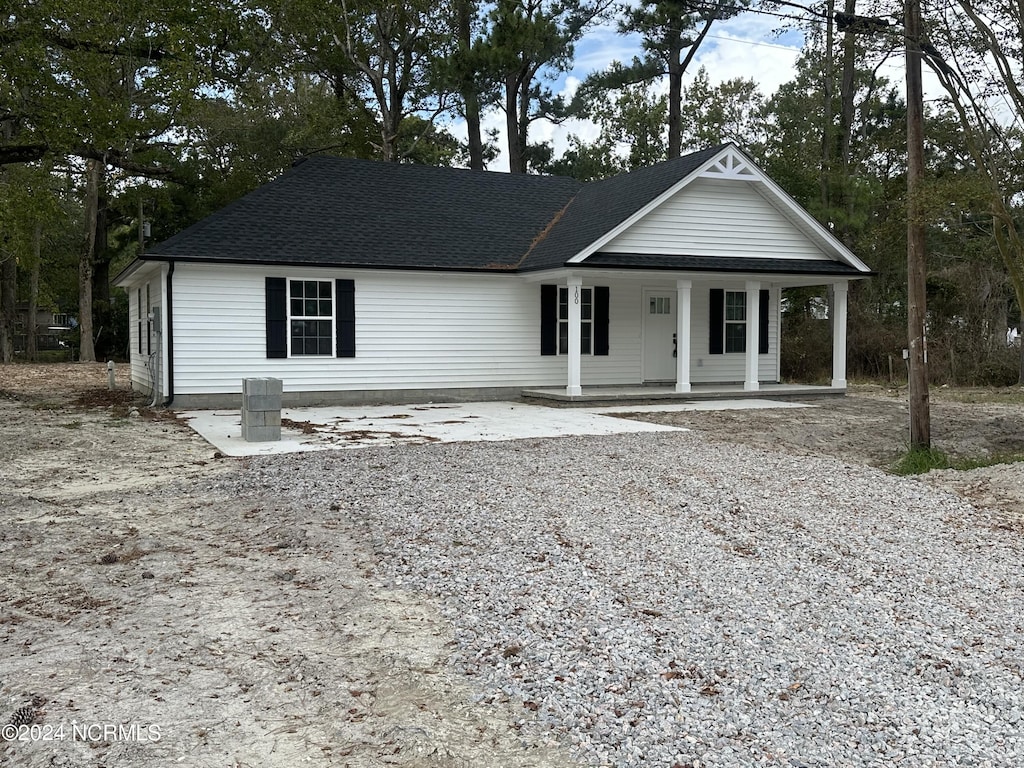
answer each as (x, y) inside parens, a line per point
(345, 317)
(277, 317)
(601, 301)
(762, 323)
(549, 319)
(716, 339)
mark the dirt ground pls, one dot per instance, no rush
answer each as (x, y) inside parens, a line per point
(142, 625)
(130, 595)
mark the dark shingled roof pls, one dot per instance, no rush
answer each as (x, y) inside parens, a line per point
(330, 211)
(718, 264)
(340, 212)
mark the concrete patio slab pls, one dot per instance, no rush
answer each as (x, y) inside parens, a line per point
(312, 429)
(333, 428)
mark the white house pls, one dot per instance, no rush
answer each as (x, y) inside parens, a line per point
(357, 281)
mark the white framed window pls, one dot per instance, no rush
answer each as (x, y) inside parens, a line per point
(145, 325)
(586, 299)
(311, 317)
(140, 321)
(661, 305)
(735, 321)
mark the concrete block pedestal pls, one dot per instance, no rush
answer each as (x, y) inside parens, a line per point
(261, 410)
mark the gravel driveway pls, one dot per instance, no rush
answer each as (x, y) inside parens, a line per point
(669, 600)
(664, 600)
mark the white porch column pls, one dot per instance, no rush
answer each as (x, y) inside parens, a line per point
(684, 289)
(750, 382)
(839, 305)
(575, 285)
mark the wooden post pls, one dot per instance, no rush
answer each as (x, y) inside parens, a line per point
(920, 419)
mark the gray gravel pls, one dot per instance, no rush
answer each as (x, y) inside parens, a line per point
(663, 600)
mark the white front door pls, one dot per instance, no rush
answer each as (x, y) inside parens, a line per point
(659, 312)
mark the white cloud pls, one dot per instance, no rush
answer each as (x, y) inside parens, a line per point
(738, 55)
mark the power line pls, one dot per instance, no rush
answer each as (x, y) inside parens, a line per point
(775, 46)
(858, 24)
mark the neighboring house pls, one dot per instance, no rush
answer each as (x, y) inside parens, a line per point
(358, 281)
(51, 328)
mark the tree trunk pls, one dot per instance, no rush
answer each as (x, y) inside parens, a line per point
(474, 131)
(101, 308)
(827, 129)
(847, 89)
(101, 253)
(388, 131)
(32, 338)
(470, 96)
(676, 70)
(8, 296)
(847, 93)
(524, 119)
(86, 352)
(675, 95)
(920, 416)
(1020, 369)
(516, 153)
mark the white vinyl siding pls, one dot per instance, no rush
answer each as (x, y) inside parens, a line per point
(706, 368)
(143, 297)
(713, 217)
(413, 331)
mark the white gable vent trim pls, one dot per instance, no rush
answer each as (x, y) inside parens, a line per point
(731, 166)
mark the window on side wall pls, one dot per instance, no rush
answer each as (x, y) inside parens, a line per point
(586, 320)
(735, 321)
(311, 317)
(140, 322)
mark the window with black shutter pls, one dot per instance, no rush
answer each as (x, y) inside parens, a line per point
(310, 318)
(728, 322)
(554, 319)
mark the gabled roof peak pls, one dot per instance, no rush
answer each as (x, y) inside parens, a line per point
(731, 164)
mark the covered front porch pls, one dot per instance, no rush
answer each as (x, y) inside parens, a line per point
(679, 336)
(613, 394)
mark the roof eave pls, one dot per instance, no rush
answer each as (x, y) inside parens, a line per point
(495, 268)
(136, 265)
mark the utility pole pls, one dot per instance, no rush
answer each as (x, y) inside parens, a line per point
(920, 418)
